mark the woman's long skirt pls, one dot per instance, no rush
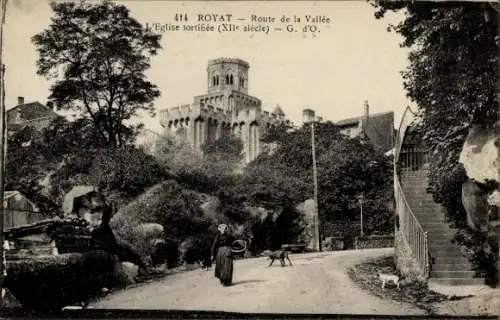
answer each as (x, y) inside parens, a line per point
(224, 266)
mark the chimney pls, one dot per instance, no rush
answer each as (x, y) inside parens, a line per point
(20, 100)
(367, 110)
(308, 115)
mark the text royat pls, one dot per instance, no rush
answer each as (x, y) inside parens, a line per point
(214, 17)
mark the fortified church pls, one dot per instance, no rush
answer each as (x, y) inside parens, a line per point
(225, 109)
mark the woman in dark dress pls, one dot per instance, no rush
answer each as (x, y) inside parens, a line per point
(223, 253)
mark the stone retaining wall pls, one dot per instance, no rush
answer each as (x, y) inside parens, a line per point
(374, 241)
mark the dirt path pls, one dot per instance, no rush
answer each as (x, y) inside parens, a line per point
(317, 283)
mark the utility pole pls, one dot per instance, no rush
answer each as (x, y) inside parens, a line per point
(309, 116)
(3, 153)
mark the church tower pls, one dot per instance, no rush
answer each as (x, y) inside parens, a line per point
(226, 109)
(226, 74)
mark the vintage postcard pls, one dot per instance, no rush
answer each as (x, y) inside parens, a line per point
(230, 159)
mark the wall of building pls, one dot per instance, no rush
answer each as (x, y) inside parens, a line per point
(20, 211)
(352, 131)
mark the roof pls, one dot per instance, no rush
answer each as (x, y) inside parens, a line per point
(32, 110)
(277, 110)
(9, 194)
(380, 130)
(355, 120)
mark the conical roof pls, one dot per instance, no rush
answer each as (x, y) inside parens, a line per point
(278, 110)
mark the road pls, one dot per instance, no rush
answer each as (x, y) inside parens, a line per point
(316, 283)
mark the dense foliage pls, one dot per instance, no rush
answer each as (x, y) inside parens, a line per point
(453, 79)
(51, 283)
(103, 54)
(451, 44)
(347, 168)
(280, 180)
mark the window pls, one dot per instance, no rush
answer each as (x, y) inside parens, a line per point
(227, 79)
(231, 79)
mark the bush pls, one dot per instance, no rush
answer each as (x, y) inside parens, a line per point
(169, 204)
(50, 283)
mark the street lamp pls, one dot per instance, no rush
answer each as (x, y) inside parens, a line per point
(308, 116)
(361, 199)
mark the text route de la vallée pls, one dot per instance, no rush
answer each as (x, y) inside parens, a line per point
(224, 23)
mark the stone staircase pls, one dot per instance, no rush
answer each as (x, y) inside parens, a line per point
(449, 265)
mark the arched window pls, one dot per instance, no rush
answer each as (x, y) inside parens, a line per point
(227, 79)
(213, 81)
(216, 80)
(231, 79)
(242, 82)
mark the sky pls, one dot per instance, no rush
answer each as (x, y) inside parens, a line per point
(351, 60)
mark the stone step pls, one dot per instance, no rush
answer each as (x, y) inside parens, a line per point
(452, 267)
(416, 197)
(427, 218)
(458, 281)
(435, 239)
(436, 224)
(434, 233)
(428, 213)
(438, 228)
(449, 260)
(443, 245)
(453, 274)
(445, 253)
(446, 247)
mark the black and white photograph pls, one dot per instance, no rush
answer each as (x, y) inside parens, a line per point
(250, 159)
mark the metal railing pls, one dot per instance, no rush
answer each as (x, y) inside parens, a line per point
(410, 160)
(414, 159)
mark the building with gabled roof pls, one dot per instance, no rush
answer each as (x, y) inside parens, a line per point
(377, 127)
(32, 114)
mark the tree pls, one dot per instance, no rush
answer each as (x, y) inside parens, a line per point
(177, 154)
(102, 53)
(34, 155)
(453, 73)
(346, 168)
(350, 169)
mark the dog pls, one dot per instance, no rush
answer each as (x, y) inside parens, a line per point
(388, 278)
(281, 255)
(206, 264)
(206, 261)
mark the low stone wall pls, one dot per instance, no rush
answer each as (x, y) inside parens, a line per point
(374, 241)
